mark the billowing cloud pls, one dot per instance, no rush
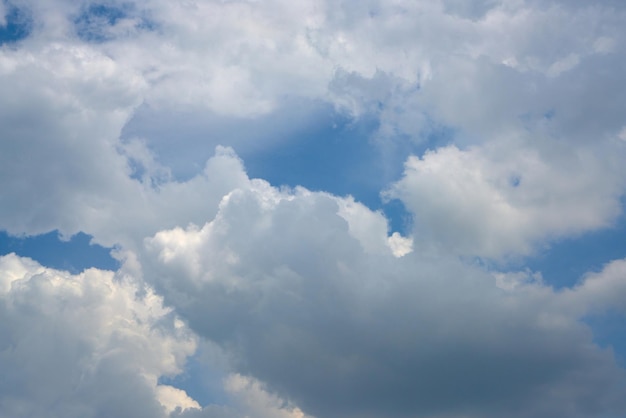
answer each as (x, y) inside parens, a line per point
(302, 305)
(507, 115)
(62, 163)
(85, 345)
(506, 198)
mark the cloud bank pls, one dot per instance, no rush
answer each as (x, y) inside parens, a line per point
(498, 126)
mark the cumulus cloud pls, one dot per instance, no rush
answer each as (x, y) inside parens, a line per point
(62, 163)
(97, 344)
(85, 345)
(318, 309)
(506, 198)
(302, 305)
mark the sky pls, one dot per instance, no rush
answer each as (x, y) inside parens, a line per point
(312, 209)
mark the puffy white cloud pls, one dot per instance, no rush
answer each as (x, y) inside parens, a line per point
(61, 109)
(506, 198)
(96, 344)
(300, 303)
(371, 229)
(86, 345)
(62, 165)
(175, 400)
(487, 69)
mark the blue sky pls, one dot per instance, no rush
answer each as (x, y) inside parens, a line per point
(312, 209)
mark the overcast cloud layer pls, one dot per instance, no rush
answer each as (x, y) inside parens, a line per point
(498, 124)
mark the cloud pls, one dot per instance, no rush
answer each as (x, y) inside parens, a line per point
(62, 163)
(85, 345)
(302, 305)
(97, 344)
(248, 397)
(61, 107)
(507, 198)
(600, 292)
(318, 309)
(3, 20)
(258, 401)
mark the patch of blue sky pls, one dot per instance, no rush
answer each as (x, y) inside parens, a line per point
(564, 262)
(137, 169)
(73, 255)
(333, 156)
(18, 24)
(95, 22)
(302, 143)
(549, 114)
(609, 331)
(338, 155)
(201, 381)
(184, 140)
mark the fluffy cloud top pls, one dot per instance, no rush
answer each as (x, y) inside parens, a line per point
(85, 345)
(506, 198)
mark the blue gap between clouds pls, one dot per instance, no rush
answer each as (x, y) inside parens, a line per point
(18, 25)
(565, 263)
(74, 255)
(609, 330)
(94, 23)
(201, 382)
(303, 143)
(338, 156)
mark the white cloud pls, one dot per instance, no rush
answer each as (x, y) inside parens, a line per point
(61, 108)
(400, 246)
(62, 164)
(172, 398)
(96, 344)
(411, 64)
(84, 345)
(371, 229)
(504, 199)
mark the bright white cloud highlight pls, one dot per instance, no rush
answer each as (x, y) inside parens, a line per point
(86, 345)
(505, 199)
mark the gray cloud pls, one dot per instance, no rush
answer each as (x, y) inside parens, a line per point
(300, 305)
